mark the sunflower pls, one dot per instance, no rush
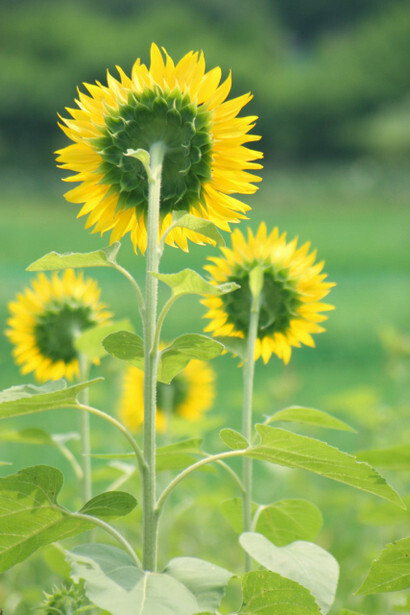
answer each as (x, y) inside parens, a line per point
(47, 317)
(182, 106)
(290, 302)
(189, 395)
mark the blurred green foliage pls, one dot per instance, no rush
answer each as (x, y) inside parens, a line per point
(328, 78)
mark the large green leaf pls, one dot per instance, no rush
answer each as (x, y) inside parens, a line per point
(267, 593)
(32, 518)
(54, 260)
(295, 451)
(115, 584)
(29, 398)
(126, 346)
(175, 357)
(288, 520)
(179, 455)
(199, 225)
(189, 282)
(90, 342)
(390, 572)
(394, 458)
(301, 561)
(308, 416)
(206, 581)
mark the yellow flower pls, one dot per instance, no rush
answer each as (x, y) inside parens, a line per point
(290, 303)
(205, 161)
(190, 394)
(46, 318)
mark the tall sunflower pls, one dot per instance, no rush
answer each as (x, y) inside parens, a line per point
(290, 303)
(182, 106)
(189, 395)
(45, 319)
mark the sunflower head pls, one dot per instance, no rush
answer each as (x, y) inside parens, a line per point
(290, 301)
(47, 317)
(189, 395)
(183, 107)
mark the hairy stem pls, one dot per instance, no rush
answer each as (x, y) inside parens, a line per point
(85, 432)
(150, 522)
(248, 373)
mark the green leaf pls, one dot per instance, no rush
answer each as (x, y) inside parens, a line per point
(29, 398)
(175, 357)
(30, 435)
(232, 510)
(294, 451)
(54, 260)
(309, 416)
(267, 593)
(179, 455)
(233, 439)
(288, 520)
(300, 561)
(199, 225)
(32, 518)
(349, 612)
(90, 342)
(206, 581)
(235, 345)
(126, 346)
(115, 584)
(390, 572)
(110, 505)
(394, 458)
(189, 282)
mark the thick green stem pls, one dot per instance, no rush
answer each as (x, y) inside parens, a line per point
(150, 519)
(85, 432)
(248, 373)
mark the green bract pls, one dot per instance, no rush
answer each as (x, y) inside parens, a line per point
(150, 117)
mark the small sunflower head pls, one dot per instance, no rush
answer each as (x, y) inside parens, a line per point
(47, 317)
(184, 108)
(189, 395)
(290, 299)
(64, 600)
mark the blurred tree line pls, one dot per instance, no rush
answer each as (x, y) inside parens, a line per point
(330, 79)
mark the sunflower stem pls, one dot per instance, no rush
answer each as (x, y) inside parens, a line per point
(248, 374)
(85, 431)
(150, 518)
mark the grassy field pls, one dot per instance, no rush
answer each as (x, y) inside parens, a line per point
(356, 217)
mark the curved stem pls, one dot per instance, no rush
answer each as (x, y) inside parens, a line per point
(65, 451)
(135, 286)
(120, 427)
(161, 318)
(112, 531)
(248, 374)
(85, 431)
(231, 472)
(195, 466)
(150, 524)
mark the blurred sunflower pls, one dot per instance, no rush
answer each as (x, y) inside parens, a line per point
(47, 317)
(189, 395)
(290, 302)
(205, 162)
